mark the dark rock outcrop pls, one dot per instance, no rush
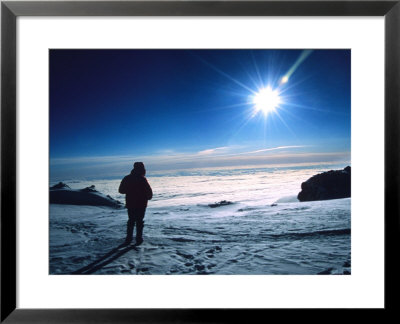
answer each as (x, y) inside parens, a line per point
(221, 203)
(60, 185)
(63, 194)
(89, 189)
(333, 184)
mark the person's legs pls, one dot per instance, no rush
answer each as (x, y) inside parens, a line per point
(130, 226)
(139, 215)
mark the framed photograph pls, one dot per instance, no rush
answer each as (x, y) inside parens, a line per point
(206, 200)
(161, 160)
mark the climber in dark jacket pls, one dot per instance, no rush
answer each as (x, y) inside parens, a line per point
(138, 192)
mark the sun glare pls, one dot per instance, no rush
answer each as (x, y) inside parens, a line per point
(284, 79)
(266, 100)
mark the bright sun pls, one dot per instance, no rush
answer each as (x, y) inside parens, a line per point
(266, 100)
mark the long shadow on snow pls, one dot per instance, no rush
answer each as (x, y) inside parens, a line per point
(105, 259)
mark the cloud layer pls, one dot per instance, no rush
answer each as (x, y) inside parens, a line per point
(114, 166)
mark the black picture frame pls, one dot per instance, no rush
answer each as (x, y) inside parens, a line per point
(10, 10)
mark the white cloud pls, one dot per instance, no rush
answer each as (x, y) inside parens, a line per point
(276, 148)
(214, 150)
(105, 166)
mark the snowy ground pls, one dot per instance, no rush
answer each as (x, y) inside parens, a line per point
(264, 231)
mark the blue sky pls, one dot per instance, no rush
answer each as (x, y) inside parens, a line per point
(195, 108)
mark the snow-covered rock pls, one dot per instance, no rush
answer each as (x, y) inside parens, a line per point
(63, 194)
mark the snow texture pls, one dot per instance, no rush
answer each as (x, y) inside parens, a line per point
(244, 221)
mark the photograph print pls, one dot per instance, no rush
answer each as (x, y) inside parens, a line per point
(200, 162)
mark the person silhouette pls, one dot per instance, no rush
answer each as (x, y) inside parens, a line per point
(138, 191)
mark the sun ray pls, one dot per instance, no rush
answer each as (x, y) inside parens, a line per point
(224, 74)
(292, 104)
(304, 121)
(257, 70)
(242, 104)
(287, 126)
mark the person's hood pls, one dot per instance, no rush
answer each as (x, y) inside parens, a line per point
(136, 173)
